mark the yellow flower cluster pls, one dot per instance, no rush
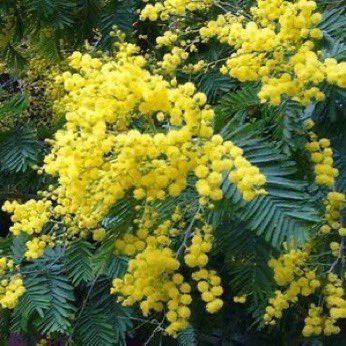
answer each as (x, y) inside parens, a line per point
(225, 156)
(11, 286)
(99, 234)
(335, 247)
(168, 39)
(201, 244)
(335, 297)
(335, 202)
(322, 157)
(195, 68)
(10, 292)
(46, 341)
(277, 48)
(173, 59)
(317, 322)
(321, 319)
(152, 280)
(314, 321)
(36, 246)
(130, 244)
(169, 8)
(5, 265)
(248, 178)
(29, 217)
(209, 285)
(101, 101)
(170, 228)
(208, 282)
(286, 266)
(336, 72)
(291, 272)
(305, 284)
(152, 164)
(152, 277)
(301, 279)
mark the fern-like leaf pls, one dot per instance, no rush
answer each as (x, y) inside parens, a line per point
(78, 262)
(287, 125)
(58, 14)
(187, 337)
(58, 316)
(102, 321)
(214, 84)
(288, 211)
(246, 257)
(14, 105)
(333, 23)
(18, 150)
(32, 304)
(18, 247)
(94, 329)
(49, 298)
(235, 102)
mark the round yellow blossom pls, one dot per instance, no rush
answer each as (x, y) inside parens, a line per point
(240, 299)
(99, 234)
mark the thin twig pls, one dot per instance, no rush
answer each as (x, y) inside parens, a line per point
(187, 234)
(83, 306)
(340, 255)
(156, 330)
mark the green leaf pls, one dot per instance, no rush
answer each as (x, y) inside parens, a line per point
(213, 84)
(34, 302)
(288, 212)
(106, 263)
(329, 115)
(47, 46)
(59, 314)
(117, 266)
(103, 257)
(238, 101)
(287, 127)
(18, 150)
(333, 23)
(94, 328)
(78, 262)
(340, 163)
(117, 13)
(58, 14)
(120, 216)
(14, 105)
(187, 337)
(18, 247)
(5, 246)
(49, 299)
(102, 321)
(334, 48)
(4, 326)
(246, 257)
(15, 58)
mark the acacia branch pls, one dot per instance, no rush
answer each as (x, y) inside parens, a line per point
(188, 233)
(340, 256)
